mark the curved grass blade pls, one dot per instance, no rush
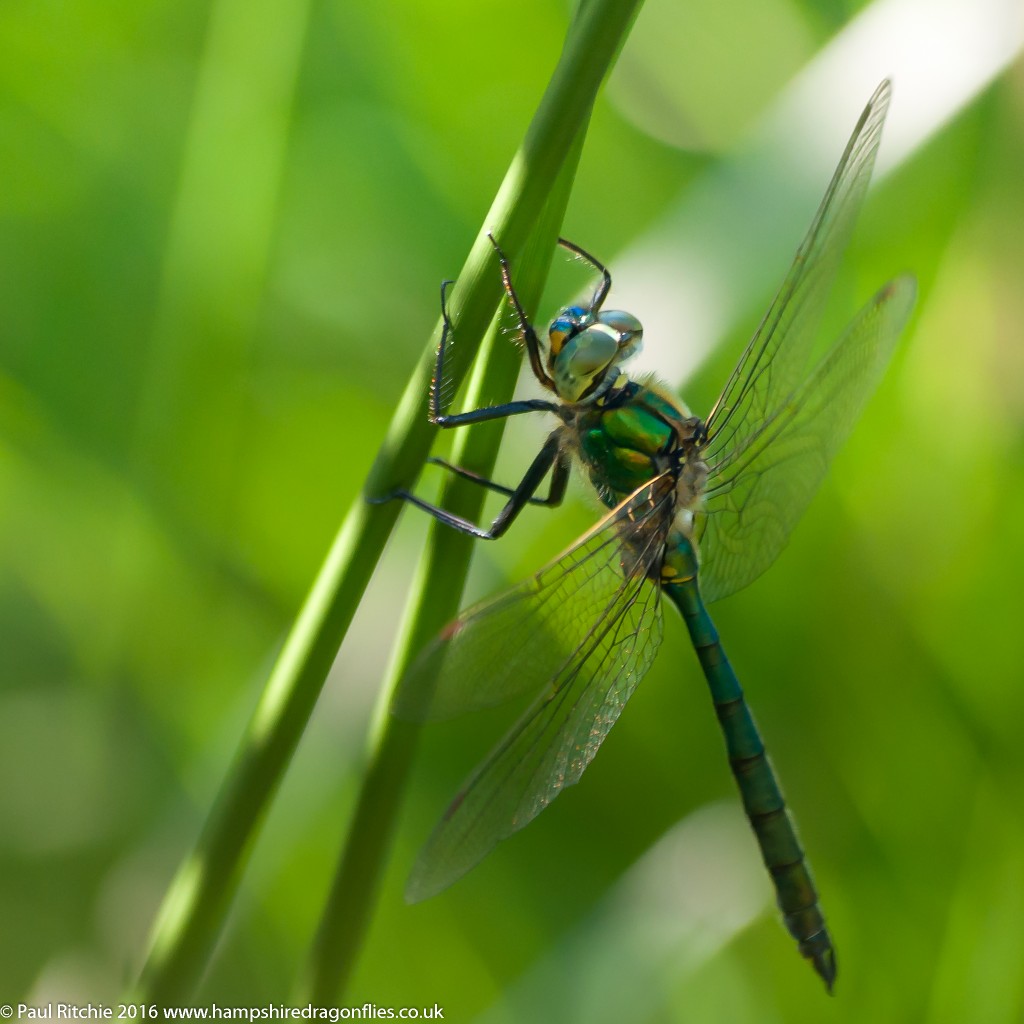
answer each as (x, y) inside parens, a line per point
(593, 660)
(755, 496)
(197, 901)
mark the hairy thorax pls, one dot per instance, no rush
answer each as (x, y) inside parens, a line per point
(636, 433)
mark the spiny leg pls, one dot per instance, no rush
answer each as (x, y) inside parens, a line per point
(606, 278)
(491, 412)
(555, 494)
(530, 338)
(550, 458)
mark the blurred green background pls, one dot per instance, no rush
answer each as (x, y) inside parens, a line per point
(223, 228)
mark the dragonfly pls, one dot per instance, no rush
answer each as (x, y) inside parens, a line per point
(697, 509)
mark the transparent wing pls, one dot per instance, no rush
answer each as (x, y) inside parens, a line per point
(513, 643)
(776, 357)
(583, 632)
(756, 494)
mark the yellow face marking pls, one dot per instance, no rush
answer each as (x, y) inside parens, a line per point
(556, 339)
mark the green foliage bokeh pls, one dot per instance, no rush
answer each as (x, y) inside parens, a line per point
(223, 228)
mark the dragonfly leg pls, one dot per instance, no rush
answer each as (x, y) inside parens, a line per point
(606, 278)
(550, 458)
(437, 381)
(491, 412)
(530, 338)
(559, 480)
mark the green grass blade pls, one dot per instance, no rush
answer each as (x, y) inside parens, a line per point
(194, 908)
(433, 600)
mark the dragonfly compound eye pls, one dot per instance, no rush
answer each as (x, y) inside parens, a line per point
(567, 324)
(583, 359)
(629, 330)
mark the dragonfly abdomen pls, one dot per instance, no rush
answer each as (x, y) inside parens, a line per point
(763, 802)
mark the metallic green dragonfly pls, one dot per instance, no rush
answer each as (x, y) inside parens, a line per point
(698, 509)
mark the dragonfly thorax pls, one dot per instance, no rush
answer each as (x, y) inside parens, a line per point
(585, 349)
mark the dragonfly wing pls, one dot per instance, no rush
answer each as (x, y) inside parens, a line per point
(609, 573)
(510, 644)
(756, 494)
(777, 355)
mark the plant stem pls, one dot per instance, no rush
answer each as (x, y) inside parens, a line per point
(193, 910)
(433, 600)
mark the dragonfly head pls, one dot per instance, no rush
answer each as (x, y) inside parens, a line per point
(586, 347)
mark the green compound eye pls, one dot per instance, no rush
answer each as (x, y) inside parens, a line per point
(584, 346)
(583, 359)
